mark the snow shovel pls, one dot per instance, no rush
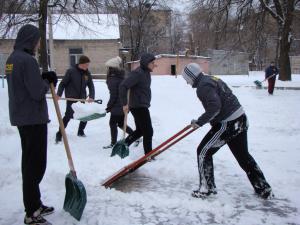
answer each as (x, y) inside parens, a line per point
(259, 83)
(121, 148)
(93, 116)
(75, 199)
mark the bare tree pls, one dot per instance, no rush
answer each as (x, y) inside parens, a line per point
(16, 12)
(281, 10)
(139, 27)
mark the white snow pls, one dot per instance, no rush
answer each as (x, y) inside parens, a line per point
(87, 109)
(159, 192)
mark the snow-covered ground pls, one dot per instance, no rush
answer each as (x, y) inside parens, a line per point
(159, 192)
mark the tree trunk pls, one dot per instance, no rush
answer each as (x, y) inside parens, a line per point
(42, 28)
(285, 45)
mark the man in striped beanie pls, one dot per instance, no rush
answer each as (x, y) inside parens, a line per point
(229, 126)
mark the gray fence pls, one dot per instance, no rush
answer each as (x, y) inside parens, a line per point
(3, 58)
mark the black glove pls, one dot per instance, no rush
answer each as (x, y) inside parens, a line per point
(50, 76)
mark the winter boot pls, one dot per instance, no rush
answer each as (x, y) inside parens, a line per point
(108, 146)
(266, 194)
(36, 219)
(46, 210)
(58, 137)
(201, 194)
(81, 133)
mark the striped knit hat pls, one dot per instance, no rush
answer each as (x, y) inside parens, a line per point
(191, 72)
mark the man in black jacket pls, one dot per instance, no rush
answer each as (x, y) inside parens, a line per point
(270, 74)
(28, 111)
(229, 126)
(139, 82)
(74, 84)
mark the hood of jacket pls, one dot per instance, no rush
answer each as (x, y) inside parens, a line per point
(27, 38)
(145, 60)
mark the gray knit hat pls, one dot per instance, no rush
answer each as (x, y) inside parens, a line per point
(191, 72)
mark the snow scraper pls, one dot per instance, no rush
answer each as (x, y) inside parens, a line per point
(148, 157)
(121, 148)
(75, 199)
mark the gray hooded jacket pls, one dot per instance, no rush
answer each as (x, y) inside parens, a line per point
(26, 88)
(217, 99)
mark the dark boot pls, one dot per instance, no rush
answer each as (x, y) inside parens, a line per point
(58, 137)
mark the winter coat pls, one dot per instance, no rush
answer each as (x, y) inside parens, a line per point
(270, 71)
(217, 99)
(113, 82)
(75, 82)
(139, 82)
(26, 88)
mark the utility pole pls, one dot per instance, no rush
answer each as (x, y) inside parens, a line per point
(51, 46)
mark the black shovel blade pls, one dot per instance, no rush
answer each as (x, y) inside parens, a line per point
(75, 199)
(121, 149)
(258, 84)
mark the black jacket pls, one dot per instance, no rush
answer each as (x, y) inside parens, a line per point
(139, 82)
(217, 99)
(114, 79)
(270, 71)
(26, 88)
(75, 82)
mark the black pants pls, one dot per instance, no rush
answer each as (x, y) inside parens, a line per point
(144, 128)
(234, 134)
(34, 160)
(69, 115)
(116, 121)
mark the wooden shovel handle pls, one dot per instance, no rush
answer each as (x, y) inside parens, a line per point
(62, 130)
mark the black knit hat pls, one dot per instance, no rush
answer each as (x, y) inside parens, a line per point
(83, 59)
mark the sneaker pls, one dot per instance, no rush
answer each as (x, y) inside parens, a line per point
(58, 138)
(137, 142)
(36, 220)
(108, 146)
(266, 194)
(201, 194)
(81, 134)
(46, 210)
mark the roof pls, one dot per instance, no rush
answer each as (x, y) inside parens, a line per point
(78, 27)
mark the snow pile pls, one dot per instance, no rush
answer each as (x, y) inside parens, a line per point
(86, 109)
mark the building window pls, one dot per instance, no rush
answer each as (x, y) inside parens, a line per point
(75, 54)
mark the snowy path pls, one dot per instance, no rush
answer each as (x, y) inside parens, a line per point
(159, 192)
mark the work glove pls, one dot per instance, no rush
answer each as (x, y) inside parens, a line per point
(195, 124)
(50, 76)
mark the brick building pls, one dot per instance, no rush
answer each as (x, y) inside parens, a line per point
(94, 35)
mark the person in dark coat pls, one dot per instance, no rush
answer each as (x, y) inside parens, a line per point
(74, 84)
(139, 84)
(28, 111)
(270, 74)
(115, 75)
(229, 126)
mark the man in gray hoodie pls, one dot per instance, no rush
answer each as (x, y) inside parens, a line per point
(28, 111)
(139, 84)
(229, 126)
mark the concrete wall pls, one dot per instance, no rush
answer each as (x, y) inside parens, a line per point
(99, 51)
(227, 62)
(164, 64)
(295, 64)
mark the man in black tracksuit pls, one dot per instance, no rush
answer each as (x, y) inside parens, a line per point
(229, 126)
(28, 111)
(139, 82)
(74, 83)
